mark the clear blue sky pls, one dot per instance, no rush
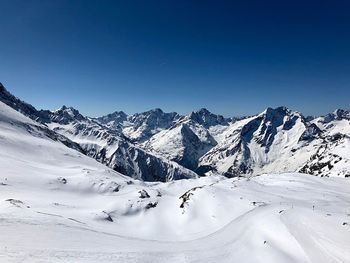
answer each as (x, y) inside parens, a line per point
(232, 57)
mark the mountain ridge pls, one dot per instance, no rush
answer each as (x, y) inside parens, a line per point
(154, 145)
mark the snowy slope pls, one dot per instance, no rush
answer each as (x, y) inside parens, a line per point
(58, 205)
(32, 156)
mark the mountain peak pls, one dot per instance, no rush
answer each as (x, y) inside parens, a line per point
(207, 119)
(64, 107)
(120, 112)
(152, 112)
(69, 110)
(155, 111)
(113, 119)
(65, 114)
(275, 113)
(120, 115)
(280, 109)
(203, 111)
(338, 114)
(342, 114)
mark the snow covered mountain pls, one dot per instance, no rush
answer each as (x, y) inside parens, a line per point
(114, 120)
(207, 119)
(277, 140)
(105, 144)
(188, 139)
(139, 126)
(183, 139)
(113, 149)
(59, 205)
(158, 146)
(143, 125)
(332, 155)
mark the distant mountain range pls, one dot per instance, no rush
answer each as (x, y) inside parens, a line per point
(158, 146)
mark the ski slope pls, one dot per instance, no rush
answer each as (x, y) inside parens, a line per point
(58, 205)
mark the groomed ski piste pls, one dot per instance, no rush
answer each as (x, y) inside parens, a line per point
(58, 205)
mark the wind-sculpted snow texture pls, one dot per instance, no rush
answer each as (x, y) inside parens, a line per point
(158, 146)
(59, 205)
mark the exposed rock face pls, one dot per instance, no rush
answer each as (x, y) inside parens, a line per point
(207, 119)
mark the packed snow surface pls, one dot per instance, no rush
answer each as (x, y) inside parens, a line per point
(58, 205)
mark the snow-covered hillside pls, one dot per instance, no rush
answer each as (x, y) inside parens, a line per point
(58, 205)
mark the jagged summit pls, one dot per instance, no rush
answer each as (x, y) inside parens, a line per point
(145, 124)
(281, 110)
(155, 110)
(207, 119)
(202, 111)
(68, 109)
(113, 120)
(64, 107)
(65, 114)
(342, 114)
(338, 114)
(115, 114)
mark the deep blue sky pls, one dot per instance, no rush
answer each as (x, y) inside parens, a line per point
(232, 57)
